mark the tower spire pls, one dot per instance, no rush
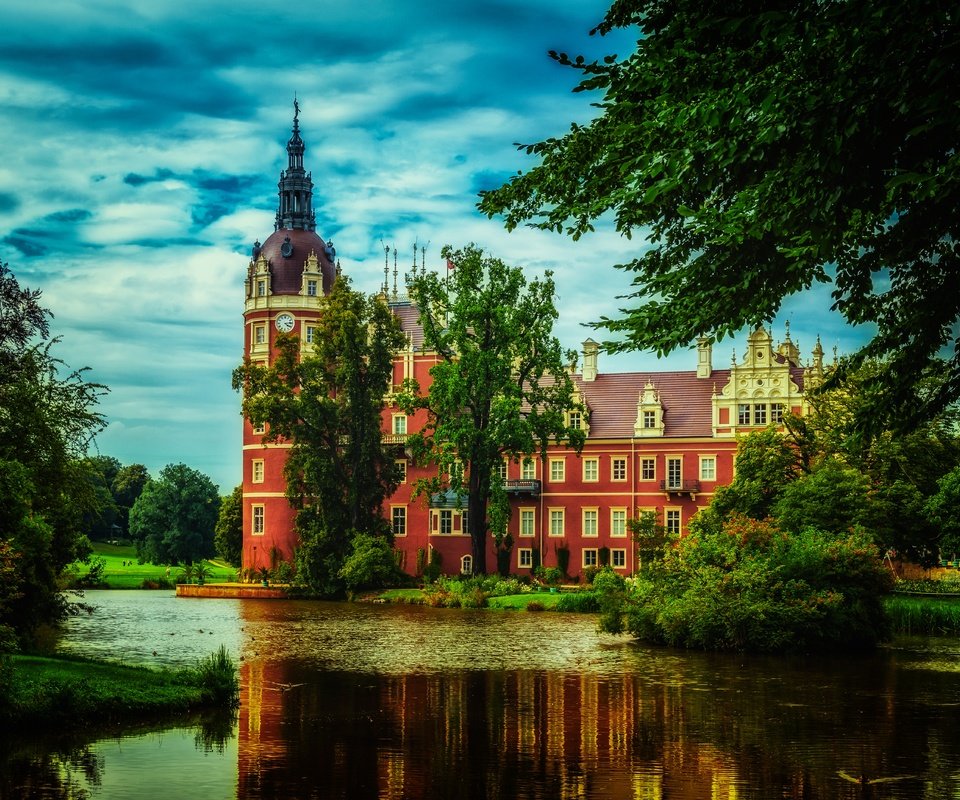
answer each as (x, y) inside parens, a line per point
(295, 209)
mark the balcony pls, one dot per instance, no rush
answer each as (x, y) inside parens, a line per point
(522, 488)
(394, 438)
(680, 487)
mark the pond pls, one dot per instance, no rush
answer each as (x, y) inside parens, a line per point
(369, 701)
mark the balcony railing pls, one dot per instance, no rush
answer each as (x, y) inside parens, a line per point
(680, 487)
(394, 438)
(522, 488)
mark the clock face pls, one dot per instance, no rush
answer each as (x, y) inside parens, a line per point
(284, 323)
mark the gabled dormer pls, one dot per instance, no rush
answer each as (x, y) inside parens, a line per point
(649, 420)
(312, 286)
(259, 282)
(578, 417)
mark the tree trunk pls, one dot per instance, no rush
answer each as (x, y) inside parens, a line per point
(477, 508)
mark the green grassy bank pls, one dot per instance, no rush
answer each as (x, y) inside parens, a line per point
(121, 570)
(46, 692)
(923, 616)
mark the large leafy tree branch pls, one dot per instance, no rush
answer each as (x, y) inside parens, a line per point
(327, 403)
(761, 148)
(500, 387)
(48, 419)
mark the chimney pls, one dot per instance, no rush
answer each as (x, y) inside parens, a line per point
(704, 357)
(590, 351)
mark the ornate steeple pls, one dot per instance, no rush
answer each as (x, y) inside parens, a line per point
(296, 186)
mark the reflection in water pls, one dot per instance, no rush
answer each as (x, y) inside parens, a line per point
(625, 721)
(357, 701)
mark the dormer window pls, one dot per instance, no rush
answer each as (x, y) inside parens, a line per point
(311, 288)
(649, 419)
(576, 420)
(261, 288)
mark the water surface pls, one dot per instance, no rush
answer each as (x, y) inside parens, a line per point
(367, 701)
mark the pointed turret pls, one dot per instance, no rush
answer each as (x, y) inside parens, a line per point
(295, 189)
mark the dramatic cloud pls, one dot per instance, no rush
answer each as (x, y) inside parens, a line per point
(142, 146)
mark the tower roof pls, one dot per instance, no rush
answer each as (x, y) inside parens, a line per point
(295, 189)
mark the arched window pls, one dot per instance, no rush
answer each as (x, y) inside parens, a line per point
(466, 565)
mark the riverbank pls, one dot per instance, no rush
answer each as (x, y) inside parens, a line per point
(121, 570)
(71, 692)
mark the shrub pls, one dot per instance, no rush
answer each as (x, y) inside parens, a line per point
(371, 564)
(589, 573)
(217, 675)
(283, 572)
(578, 602)
(535, 605)
(741, 584)
(551, 575)
(431, 572)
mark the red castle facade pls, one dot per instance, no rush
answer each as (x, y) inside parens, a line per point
(656, 442)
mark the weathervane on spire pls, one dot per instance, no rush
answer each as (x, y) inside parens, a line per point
(296, 107)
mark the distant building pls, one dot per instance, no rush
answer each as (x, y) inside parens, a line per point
(657, 442)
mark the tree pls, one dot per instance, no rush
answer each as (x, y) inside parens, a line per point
(127, 485)
(943, 508)
(327, 404)
(501, 386)
(101, 471)
(228, 533)
(174, 517)
(48, 419)
(761, 149)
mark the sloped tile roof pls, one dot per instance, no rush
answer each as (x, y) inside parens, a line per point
(686, 401)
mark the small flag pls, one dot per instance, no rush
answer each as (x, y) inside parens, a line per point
(450, 264)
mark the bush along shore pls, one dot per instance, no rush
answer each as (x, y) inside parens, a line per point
(44, 692)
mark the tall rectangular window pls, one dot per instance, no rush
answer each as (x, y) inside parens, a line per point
(258, 520)
(311, 288)
(649, 419)
(590, 522)
(558, 470)
(760, 414)
(261, 288)
(401, 469)
(400, 424)
(528, 469)
(591, 469)
(672, 520)
(446, 521)
(776, 413)
(618, 559)
(311, 333)
(259, 334)
(500, 468)
(708, 468)
(524, 557)
(743, 413)
(556, 522)
(527, 521)
(618, 469)
(576, 420)
(399, 521)
(618, 522)
(674, 472)
(590, 557)
(648, 469)
(257, 471)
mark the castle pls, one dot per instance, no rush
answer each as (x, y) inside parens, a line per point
(656, 442)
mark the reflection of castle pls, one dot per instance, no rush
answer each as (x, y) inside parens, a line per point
(657, 442)
(482, 734)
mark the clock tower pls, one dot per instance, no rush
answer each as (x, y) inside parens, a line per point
(286, 277)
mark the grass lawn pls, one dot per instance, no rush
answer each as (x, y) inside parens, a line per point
(123, 572)
(55, 691)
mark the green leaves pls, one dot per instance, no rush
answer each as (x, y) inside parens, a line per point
(754, 148)
(501, 388)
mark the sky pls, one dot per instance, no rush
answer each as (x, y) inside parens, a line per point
(142, 143)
